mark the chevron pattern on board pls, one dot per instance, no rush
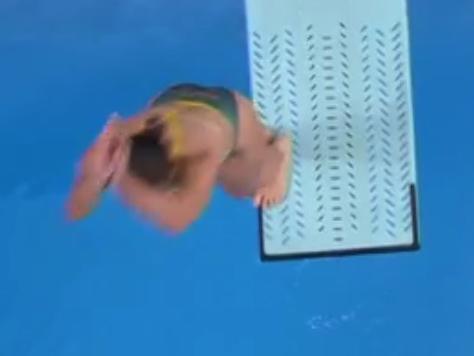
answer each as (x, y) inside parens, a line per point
(342, 91)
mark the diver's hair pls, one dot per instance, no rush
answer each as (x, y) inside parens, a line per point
(149, 158)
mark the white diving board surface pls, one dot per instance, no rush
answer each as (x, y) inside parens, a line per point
(335, 75)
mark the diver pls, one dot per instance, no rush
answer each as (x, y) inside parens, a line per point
(165, 160)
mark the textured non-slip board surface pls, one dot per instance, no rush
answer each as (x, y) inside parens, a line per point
(335, 75)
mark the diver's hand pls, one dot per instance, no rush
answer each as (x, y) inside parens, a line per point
(101, 160)
(96, 171)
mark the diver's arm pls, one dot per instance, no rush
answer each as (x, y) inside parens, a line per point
(183, 206)
(84, 197)
(96, 170)
(176, 210)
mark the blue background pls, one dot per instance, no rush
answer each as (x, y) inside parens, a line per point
(112, 285)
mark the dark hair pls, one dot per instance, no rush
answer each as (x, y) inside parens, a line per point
(149, 159)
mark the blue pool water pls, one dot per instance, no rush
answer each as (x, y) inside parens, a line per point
(112, 285)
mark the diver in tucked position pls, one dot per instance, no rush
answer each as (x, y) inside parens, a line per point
(165, 160)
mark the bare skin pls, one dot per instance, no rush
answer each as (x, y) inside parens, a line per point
(257, 168)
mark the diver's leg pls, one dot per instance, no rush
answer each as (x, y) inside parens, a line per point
(259, 169)
(242, 174)
(273, 191)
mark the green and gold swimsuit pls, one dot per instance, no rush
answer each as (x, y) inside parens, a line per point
(217, 98)
(221, 99)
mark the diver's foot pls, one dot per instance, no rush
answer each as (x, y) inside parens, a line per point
(275, 192)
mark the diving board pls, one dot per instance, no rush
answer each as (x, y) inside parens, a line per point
(335, 75)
